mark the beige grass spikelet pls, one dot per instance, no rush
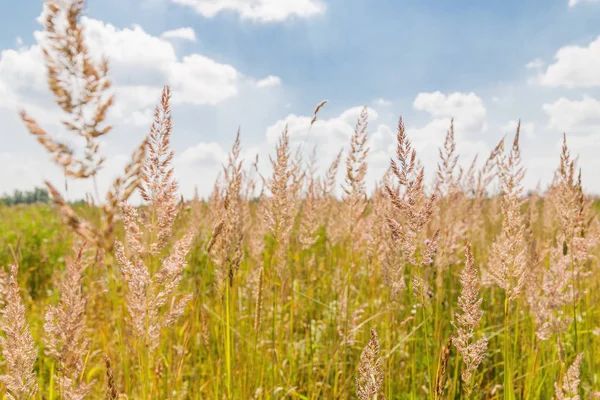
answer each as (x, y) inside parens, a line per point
(65, 331)
(225, 247)
(279, 206)
(569, 388)
(508, 259)
(469, 302)
(153, 299)
(410, 212)
(17, 345)
(370, 377)
(355, 198)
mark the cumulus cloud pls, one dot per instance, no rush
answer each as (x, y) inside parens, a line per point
(257, 10)
(140, 65)
(574, 116)
(204, 155)
(467, 109)
(180, 33)
(269, 81)
(574, 67)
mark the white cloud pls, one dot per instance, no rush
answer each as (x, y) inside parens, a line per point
(20, 71)
(269, 81)
(574, 116)
(257, 10)
(204, 155)
(575, 66)
(195, 79)
(573, 3)
(535, 64)
(180, 33)
(201, 80)
(140, 64)
(467, 109)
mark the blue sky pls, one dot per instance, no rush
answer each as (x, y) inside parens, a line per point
(485, 63)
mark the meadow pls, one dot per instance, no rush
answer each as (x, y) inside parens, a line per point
(292, 285)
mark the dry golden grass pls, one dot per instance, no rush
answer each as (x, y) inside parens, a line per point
(283, 290)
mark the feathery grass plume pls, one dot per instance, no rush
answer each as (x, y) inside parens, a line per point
(571, 206)
(552, 292)
(65, 326)
(111, 389)
(569, 388)
(442, 375)
(328, 182)
(469, 302)
(446, 180)
(508, 260)
(489, 171)
(566, 200)
(279, 206)
(451, 210)
(228, 234)
(146, 236)
(81, 88)
(560, 284)
(158, 187)
(18, 348)
(355, 197)
(411, 212)
(370, 377)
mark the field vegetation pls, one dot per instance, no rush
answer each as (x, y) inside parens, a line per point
(290, 285)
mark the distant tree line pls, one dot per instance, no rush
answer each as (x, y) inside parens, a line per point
(37, 195)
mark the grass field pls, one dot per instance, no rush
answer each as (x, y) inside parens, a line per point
(293, 285)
